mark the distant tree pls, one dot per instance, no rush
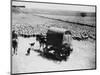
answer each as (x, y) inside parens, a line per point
(82, 14)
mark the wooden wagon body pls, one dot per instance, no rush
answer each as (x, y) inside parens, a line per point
(54, 38)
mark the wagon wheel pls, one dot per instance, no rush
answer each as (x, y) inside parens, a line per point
(57, 55)
(66, 50)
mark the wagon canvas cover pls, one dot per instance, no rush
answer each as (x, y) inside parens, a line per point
(54, 38)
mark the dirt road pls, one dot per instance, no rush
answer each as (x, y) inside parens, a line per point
(82, 57)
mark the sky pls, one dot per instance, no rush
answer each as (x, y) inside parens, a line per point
(56, 6)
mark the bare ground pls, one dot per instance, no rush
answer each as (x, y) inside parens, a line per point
(82, 57)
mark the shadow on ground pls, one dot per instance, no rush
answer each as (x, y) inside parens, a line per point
(51, 56)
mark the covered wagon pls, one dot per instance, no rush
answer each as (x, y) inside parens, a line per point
(58, 43)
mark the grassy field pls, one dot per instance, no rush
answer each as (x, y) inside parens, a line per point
(26, 18)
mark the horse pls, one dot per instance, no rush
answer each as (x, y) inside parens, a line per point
(42, 41)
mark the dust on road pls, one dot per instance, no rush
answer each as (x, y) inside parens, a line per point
(82, 57)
